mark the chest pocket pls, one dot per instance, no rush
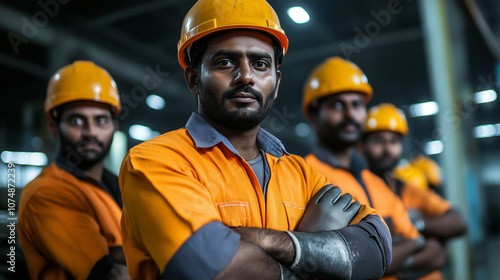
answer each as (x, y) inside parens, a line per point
(234, 213)
(294, 213)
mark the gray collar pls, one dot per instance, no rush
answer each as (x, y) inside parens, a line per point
(206, 136)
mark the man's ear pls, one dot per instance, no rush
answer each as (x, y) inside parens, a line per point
(54, 129)
(191, 77)
(278, 80)
(116, 125)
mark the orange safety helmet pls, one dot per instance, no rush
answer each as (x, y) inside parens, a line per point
(209, 16)
(334, 75)
(430, 168)
(386, 117)
(411, 175)
(80, 81)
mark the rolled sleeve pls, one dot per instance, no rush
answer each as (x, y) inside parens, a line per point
(204, 254)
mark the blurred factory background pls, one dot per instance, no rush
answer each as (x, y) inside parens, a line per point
(438, 60)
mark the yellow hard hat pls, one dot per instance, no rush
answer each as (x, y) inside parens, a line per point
(209, 16)
(334, 75)
(386, 117)
(430, 168)
(411, 175)
(81, 81)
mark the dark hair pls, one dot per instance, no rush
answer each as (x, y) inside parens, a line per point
(199, 47)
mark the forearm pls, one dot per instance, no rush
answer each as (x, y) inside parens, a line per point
(277, 244)
(446, 226)
(430, 258)
(401, 251)
(251, 262)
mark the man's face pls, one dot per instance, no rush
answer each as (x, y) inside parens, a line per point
(340, 120)
(86, 131)
(383, 150)
(237, 79)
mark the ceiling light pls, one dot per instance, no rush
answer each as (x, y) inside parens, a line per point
(434, 147)
(487, 130)
(155, 102)
(485, 96)
(302, 130)
(141, 132)
(24, 158)
(298, 15)
(424, 109)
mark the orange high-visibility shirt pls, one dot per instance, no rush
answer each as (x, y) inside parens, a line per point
(426, 201)
(173, 186)
(66, 225)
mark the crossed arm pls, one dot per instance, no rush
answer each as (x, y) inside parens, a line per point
(323, 245)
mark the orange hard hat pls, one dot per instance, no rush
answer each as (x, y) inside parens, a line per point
(334, 75)
(411, 175)
(209, 16)
(430, 168)
(386, 117)
(81, 81)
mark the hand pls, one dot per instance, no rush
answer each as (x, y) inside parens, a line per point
(328, 210)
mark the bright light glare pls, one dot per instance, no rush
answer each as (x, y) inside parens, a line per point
(434, 147)
(424, 109)
(298, 15)
(302, 129)
(141, 132)
(24, 158)
(155, 102)
(487, 130)
(485, 96)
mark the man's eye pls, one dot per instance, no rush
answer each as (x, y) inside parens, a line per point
(102, 121)
(76, 122)
(338, 105)
(261, 64)
(224, 62)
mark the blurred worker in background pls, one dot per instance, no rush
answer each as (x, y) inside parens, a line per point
(69, 215)
(432, 215)
(221, 198)
(335, 98)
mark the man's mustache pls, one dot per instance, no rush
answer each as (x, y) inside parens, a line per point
(349, 122)
(229, 94)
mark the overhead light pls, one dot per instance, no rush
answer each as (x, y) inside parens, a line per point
(155, 102)
(487, 130)
(302, 130)
(24, 158)
(141, 132)
(485, 96)
(434, 147)
(424, 109)
(298, 15)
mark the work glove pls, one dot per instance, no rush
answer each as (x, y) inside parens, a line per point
(328, 210)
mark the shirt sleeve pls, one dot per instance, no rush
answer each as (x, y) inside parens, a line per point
(427, 201)
(165, 206)
(401, 220)
(66, 232)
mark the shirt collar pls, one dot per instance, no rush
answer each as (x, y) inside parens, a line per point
(358, 162)
(206, 136)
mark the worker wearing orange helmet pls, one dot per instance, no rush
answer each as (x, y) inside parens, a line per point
(431, 171)
(385, 127)
(69, 215)
(222, 198)
(334, 101)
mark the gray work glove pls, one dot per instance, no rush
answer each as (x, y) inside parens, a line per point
(328, 210)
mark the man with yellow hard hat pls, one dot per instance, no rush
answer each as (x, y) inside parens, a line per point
(69, 215)
(222, 198)
(334, 101)
(433, 216)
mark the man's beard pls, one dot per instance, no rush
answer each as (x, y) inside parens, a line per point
(378, 166)
(242, 119)
(76, 156)
(333, 138)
